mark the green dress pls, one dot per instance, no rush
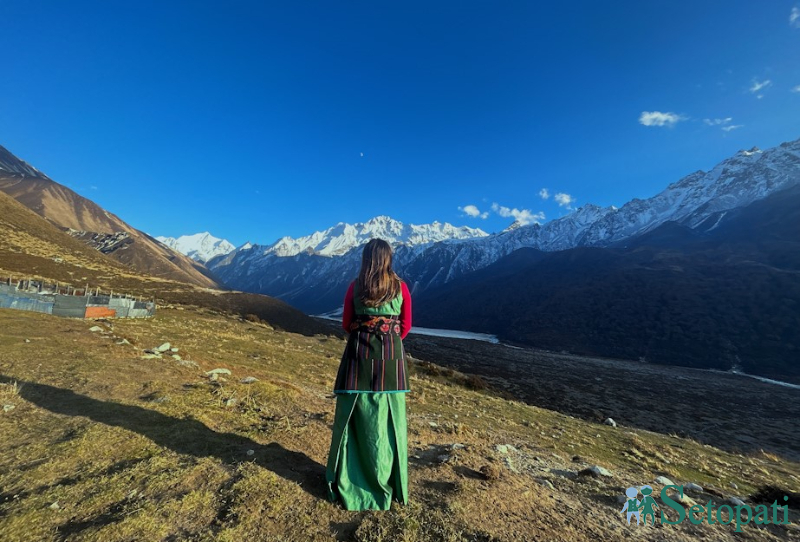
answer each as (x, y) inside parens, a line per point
(368, 459)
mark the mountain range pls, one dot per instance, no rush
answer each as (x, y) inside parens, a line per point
(200, 247)
(704, 274)
(312, 278)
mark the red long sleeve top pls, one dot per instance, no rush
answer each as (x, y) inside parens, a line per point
(349, 313)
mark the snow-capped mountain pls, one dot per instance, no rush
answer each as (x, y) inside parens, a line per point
(200, 247)
(343, 237)
(314, 280)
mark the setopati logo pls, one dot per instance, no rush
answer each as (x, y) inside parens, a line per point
(741, 514)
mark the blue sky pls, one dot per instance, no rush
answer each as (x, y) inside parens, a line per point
(254, 120)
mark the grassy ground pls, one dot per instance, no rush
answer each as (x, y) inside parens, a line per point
(103, 445)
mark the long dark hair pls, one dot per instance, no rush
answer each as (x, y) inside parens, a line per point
(377, 283)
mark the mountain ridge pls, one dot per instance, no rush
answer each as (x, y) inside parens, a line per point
(200, 247)
(311, 282)
(89, 222)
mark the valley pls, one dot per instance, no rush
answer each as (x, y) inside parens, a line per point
(724, 410)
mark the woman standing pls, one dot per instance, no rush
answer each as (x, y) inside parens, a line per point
(368, 459)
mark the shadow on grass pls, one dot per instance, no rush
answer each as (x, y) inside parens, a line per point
(184, 436)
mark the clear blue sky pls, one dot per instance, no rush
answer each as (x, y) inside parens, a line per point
(249, 119)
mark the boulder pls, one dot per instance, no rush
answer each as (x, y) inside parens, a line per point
(734, 501)
(685, 501)
(95, 329)
(164, 347)
(218, 372)
(664, 481)
(610, 422)
(546, 483)
(595, 471)
(692, 487)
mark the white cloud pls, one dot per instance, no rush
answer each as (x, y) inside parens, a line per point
(474, 212)
(717, 122)
(732, 127)
(794, 17)
(544, 193)
(564, 200)
(796, 89)
(524, 216)
(657, 118)
(760, 85)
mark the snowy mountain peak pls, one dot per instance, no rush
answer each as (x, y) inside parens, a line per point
(740, 180)
(751, 152)
(200, 247)
(343, 237)
(513, 226)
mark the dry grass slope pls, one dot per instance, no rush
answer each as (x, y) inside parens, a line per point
(67, 209)
(31, 247)
(103, 445)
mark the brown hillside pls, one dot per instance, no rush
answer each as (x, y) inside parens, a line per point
(33, 248)
(92, 224)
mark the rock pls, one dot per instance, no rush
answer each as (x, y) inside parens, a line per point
(664, 481)
(734, 486)
(9, 408)
(27, 340)
(251, 452)
(218, 372)
(433, 424)
(173, 350)
(188, 363)
(577, 459)
(444, 458)
(692, 487)
(546, 483)
(595, 471)
(611, 422)
(123, 341)
(176, 357)
(734, 501)
(510, 465)
(95, 329)
(505, 448)
(230, 402)
(151, 356)
(248, 380)
(164, 347)
(685, 501)
(54, 506)
(457, 446)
